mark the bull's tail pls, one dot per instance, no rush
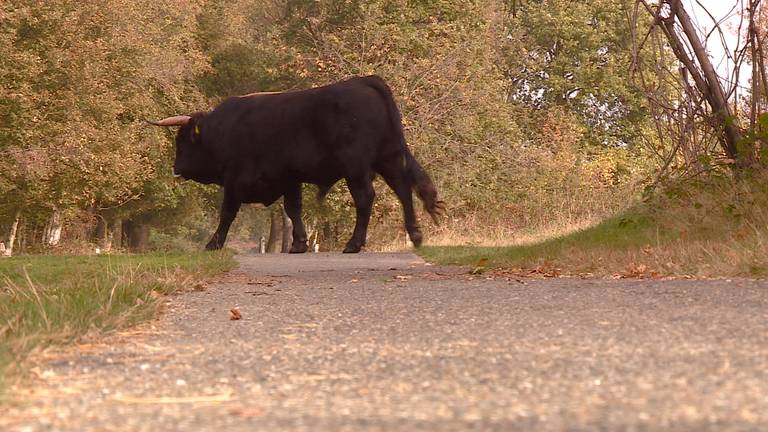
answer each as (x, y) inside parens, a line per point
(424, 187)
(419, 179)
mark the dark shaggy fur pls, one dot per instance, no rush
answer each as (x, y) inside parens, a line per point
(263, 146)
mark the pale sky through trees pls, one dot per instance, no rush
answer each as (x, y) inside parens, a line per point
(728, 11)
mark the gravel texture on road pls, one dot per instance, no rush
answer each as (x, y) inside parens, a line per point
(383, 342)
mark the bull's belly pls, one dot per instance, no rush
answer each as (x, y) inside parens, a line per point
(324, 180)
(268, 192)
(258, 195)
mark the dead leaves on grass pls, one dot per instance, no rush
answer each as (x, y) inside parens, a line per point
(635, 270)
(480, 267)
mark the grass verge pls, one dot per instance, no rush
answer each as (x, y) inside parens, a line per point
(48, 300)
(713, 228)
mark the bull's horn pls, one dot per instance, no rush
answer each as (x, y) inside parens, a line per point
(171, 121)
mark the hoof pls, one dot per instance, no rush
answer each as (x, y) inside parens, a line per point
(416, 238)
(298, 248)
(212, 246)
(352, 248)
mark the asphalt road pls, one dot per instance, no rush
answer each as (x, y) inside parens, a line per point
(383, 342)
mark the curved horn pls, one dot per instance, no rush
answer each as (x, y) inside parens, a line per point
(171, 121)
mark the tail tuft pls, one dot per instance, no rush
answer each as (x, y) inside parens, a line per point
(425, 189)
(419, 178)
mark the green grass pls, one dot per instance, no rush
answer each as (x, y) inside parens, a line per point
(628, 232)
(56, 299)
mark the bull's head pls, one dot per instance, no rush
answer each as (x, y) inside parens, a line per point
(194, 159)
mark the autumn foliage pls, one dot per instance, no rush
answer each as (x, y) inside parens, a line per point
(525, 118)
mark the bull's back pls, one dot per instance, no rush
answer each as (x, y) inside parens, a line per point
(318, 135)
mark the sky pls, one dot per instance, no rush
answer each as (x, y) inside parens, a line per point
(720, 9)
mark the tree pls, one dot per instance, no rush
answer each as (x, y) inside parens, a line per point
(575, 55)
(698, 96)
(81, 80)
(77, 82)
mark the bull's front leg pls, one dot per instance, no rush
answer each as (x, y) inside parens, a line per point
(292, 205)
(229, 209)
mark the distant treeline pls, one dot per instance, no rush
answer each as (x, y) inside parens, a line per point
(524, 113)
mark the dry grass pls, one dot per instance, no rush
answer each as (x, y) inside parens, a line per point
(56, 299)
(712, 228)
(473, 231)
(715, 227)
(480, 230)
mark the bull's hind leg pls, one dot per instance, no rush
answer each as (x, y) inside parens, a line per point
(393, 172)
(292, 203)
(362, 194)
(229, 209)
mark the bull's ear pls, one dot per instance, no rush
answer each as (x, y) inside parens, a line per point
(194, 130)
(171, 121)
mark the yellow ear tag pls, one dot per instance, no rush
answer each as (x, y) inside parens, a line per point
(197, 130)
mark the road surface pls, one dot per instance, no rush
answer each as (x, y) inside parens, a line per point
(383, 342)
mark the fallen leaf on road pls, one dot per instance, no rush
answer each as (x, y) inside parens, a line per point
(234, 314)
(246, 412)
(480, 266)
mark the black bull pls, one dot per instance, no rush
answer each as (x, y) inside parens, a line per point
(263, 146)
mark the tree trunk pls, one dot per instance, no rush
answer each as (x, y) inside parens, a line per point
(103, 235)
(22, 237)
(52, 232)
(759, 81)
(137, 236)
(708, 84)
(327, 238)
(275, 231)
(117, 233)
(12, 235)
(287, 232)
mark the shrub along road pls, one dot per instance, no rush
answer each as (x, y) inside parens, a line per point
(385, 342)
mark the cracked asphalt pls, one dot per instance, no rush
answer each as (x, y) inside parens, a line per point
(383, 342)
